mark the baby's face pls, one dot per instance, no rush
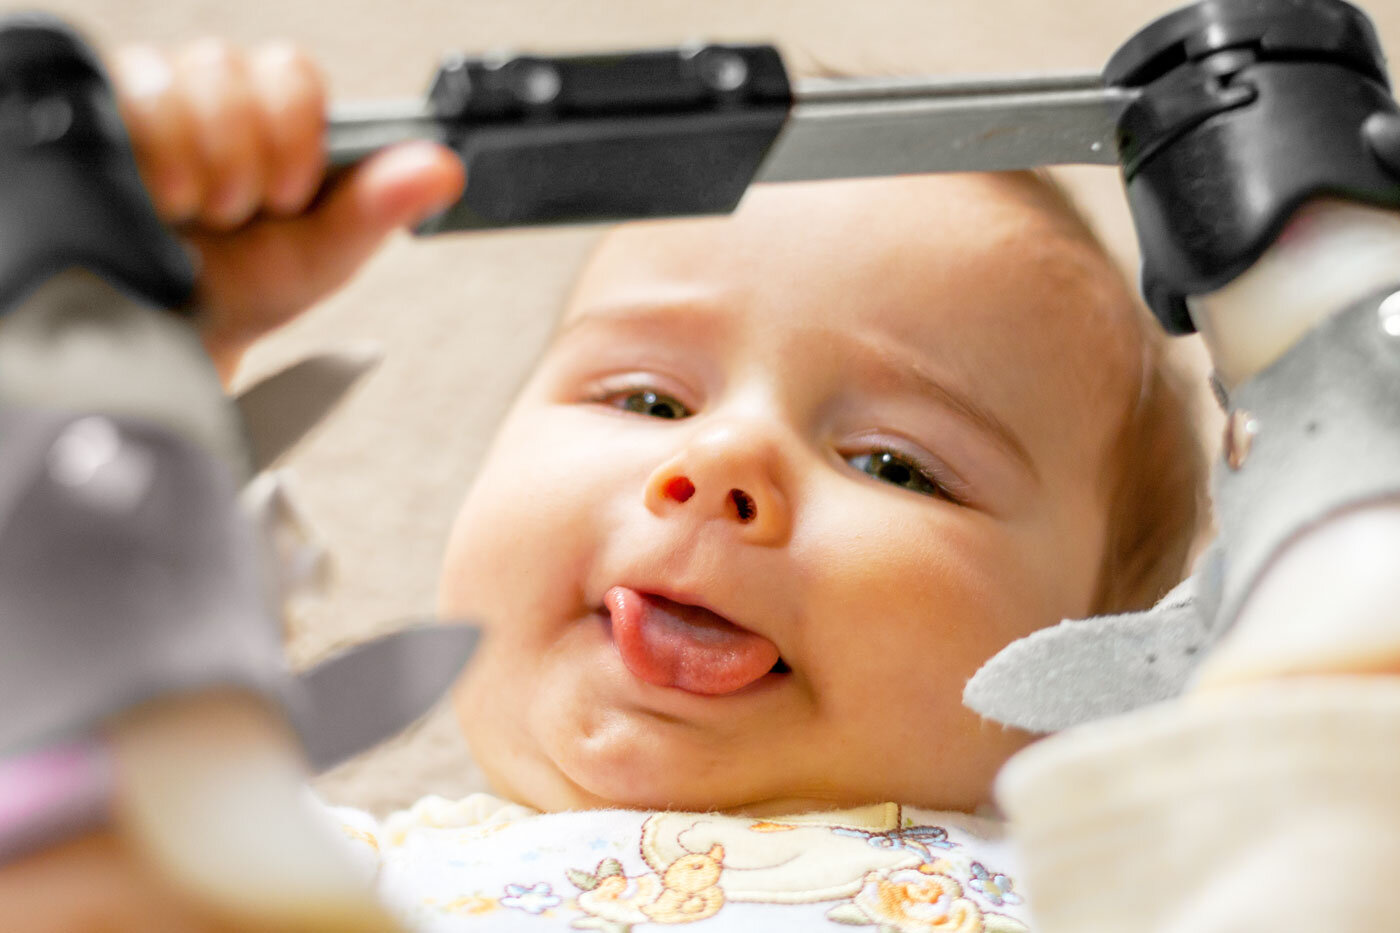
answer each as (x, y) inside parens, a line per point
(782, 482)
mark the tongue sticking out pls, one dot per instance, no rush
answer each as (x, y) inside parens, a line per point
(670, 644)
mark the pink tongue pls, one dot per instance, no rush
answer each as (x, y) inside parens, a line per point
(673, 645)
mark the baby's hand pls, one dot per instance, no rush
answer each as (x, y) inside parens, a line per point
(230, 144)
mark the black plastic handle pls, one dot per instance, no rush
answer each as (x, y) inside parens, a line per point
(1248, 109)
(590, 138)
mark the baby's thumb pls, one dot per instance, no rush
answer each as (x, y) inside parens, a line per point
(403, 186)
(398, 187)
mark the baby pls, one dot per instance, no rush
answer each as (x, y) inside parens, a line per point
(784, 480)
(780, 484)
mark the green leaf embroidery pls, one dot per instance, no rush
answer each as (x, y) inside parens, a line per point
(609, 867)
(581, 879)
(849, 914)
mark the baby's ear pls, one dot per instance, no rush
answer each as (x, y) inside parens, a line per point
(281, 409)
(1086, 669)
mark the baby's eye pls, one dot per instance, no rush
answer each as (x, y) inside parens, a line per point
(898, 470)
(653, 404)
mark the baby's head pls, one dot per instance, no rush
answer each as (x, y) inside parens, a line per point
(784, 480)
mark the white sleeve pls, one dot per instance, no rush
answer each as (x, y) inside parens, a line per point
(1273, 806)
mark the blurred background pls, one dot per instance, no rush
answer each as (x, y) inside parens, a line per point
(461, 317)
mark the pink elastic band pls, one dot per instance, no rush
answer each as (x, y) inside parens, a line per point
(52, 794)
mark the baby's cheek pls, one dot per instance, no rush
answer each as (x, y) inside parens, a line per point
(1012, 578)
(910, 616)
(527, 525)
(457, 588)
(491, 542)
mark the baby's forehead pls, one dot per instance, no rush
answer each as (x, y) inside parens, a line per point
(1007, 248)
(993, 279)
(926, 224)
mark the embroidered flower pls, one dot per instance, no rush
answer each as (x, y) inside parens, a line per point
(535, 899)
(911, 900)
(994, 886)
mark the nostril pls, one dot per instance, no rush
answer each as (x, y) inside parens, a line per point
(679, 488)
(743, 505)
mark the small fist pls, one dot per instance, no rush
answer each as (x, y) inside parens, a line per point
(220, 133)
(231, 146)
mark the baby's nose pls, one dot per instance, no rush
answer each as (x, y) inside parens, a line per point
(723, 475)
(680, 489)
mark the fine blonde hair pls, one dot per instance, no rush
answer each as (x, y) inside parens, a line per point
(1155, 470)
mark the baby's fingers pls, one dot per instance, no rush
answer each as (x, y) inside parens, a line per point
(292, 99)
(228, 131)
(161, 130)
(264, 276)
(220, 133)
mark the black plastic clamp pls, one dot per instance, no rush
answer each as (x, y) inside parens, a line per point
(590, 138)
(1248, 109)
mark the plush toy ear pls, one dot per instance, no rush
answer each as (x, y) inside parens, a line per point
(362, 695)
(1085, 669)
(281, 409)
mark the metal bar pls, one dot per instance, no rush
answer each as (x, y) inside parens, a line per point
(844, 127)
(355, 130)
(890, 126)
(837, 128)
(833, 90)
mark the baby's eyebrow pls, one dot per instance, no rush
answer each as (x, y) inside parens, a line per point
(695, 315)
(891, 363)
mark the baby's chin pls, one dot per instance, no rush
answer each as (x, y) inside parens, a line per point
(578, 764)
(617, 764)
(637, 772)
(614, 769)
(577, 768)
(570, 793)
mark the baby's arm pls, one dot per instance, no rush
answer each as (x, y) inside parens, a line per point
(230, 144)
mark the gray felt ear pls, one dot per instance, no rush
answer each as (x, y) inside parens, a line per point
(1085, 669)
(364, 694)
(279, 410)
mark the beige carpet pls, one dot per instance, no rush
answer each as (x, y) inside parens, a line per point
(461, 317)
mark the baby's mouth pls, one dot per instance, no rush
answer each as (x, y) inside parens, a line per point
(671, 644)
